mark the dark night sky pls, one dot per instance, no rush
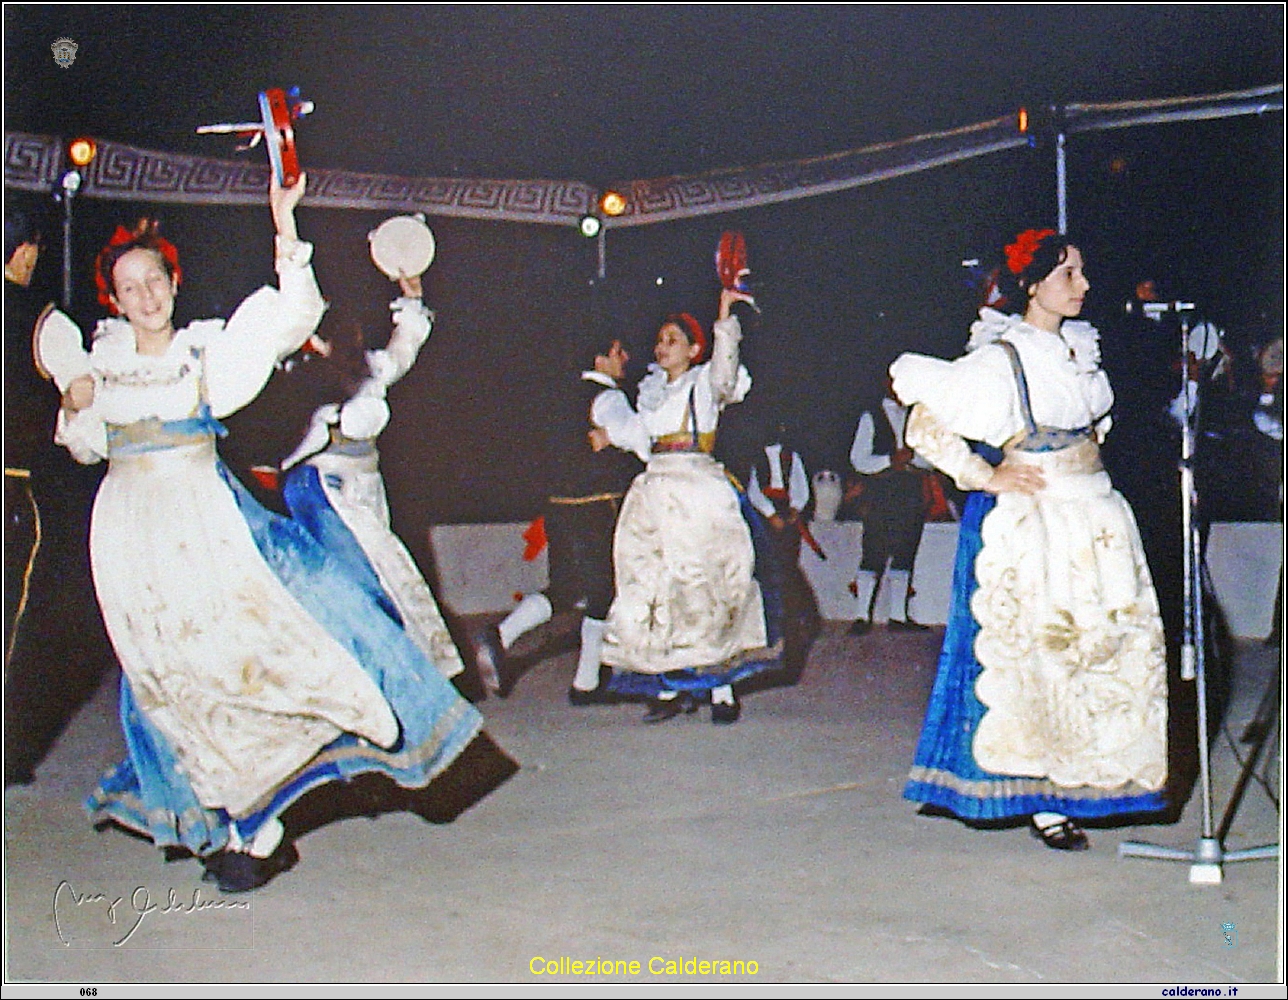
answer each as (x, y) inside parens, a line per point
(626, 92)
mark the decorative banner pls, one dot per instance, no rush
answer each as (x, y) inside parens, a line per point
(126, 173)
(35, 163)
(1124, 114)
(729, 190)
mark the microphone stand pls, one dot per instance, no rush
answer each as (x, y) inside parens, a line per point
(1208, 854)
(68, 186)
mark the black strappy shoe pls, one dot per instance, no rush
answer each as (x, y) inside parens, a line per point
(1065, 835)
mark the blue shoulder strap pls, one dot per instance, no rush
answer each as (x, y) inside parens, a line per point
(1021, 383)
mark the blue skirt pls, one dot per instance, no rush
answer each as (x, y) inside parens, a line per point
(310, 508)
(703, 681)
(944, 772)
(147, 792)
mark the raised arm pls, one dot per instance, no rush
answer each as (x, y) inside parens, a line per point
(756, 496)
(299, 305)
(730, 381)
(413, 322)
(282, 202)
(366, 413)
(272, 322)
(798, 491)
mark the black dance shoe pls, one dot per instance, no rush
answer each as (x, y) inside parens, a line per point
(489, 659)
(1064, 835)
(660, 710)
(598, 695)
(726, 715)
(235, 871)
(595, 696)
(906, 626)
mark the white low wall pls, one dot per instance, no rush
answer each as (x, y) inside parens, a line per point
(1245, 560)
(842, 543)
(481, 570)
(481, 567)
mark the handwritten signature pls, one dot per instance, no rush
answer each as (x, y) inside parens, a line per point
(141, 906)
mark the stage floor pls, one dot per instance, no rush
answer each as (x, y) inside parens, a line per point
(781, 841)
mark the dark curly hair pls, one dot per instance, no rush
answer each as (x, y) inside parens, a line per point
(344, 370)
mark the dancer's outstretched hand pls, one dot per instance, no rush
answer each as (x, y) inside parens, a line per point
(282, 201)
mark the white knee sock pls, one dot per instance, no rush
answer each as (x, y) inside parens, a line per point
(592, 645)
(865, 589)
(897, 581)
(723, 695)
(264, 842)
(532, 611)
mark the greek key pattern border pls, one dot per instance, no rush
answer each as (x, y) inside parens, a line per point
(127, 173)
(668, 198)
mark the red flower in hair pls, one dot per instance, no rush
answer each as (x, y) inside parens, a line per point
(1019, 254)
(146, 236)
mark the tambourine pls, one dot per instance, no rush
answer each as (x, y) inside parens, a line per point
(731, 260)
(279, 136)
(402, 247)
(1204, 340)
(278, 112)
(58, 349)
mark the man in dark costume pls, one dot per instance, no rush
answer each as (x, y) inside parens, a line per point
(778, 488)
(892, 504)
(55, 645)
(578, 522)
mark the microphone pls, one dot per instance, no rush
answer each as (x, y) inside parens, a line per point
(1156, 309)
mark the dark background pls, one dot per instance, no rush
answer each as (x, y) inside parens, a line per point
(846, 281)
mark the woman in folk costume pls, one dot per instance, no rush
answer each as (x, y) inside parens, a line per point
(1051, 695)
(254, 668)
(687, 620)
(334, 487)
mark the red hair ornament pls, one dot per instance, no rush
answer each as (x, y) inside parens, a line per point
(692, 329)
(1019, 254)
(145, 235)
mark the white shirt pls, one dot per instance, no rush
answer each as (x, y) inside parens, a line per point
(364, 416)
(612, 411)
(797, 488)
(664, 404)
(224, 363)
(975, 396)
(862, 458)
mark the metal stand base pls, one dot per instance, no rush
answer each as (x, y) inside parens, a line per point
(1207, 857)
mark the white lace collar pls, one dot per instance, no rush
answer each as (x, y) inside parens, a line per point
(1082, 338)
(656, 386)
(115, 348)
